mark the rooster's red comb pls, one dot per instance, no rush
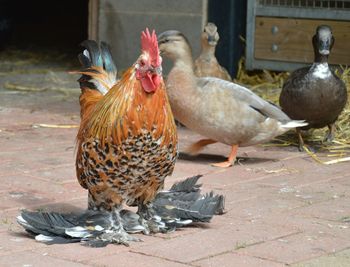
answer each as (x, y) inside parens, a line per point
(149, 44)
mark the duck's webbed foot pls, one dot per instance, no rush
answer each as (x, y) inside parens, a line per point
(230, 160)
(149, 220)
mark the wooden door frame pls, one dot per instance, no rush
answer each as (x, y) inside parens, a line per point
(93, 19)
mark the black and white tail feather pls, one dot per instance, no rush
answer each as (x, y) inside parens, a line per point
(97, 59)
(182, 205)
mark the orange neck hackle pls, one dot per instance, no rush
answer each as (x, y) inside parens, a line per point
(128, 110)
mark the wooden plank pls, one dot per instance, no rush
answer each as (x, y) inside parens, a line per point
(294, 39)
(120, 23)
(93, 19)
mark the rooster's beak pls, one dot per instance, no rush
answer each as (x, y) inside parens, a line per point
(156, 70)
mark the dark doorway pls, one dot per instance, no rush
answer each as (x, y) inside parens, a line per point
(43, 26)
(230, 17)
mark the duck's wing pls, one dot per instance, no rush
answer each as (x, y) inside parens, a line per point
(245, 95)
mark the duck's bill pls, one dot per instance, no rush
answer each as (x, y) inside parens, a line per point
(324, 52)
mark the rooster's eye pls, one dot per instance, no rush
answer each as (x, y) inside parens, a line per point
(142, 63)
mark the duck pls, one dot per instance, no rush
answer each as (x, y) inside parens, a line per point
(207, 64)
(315, 93)
(221, 111)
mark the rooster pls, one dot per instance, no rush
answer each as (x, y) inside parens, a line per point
(127, 141)
(126, 147)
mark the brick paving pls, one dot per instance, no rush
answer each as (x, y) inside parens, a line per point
(283, 208)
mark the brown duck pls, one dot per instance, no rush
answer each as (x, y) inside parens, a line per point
(206, 65)
(220, 110)
(315, 94)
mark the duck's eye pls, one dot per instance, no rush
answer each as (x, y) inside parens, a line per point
(164, 41)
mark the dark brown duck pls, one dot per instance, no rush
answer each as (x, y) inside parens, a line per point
(315, 93)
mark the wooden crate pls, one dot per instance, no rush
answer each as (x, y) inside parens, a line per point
(279, 33)
(285, 39)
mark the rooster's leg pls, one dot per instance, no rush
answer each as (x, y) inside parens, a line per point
(149, 220)
(199, 145)
(231, 158)
(115, 231)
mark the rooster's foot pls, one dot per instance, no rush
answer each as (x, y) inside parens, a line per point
(118, 237)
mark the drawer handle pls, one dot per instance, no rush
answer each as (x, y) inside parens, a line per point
(274, 29)
(274, 48)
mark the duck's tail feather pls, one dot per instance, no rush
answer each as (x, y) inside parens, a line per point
(294, 124)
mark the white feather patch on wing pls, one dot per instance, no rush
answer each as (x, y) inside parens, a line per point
(24, 223)
(184, 222)
(44, 238)
(78, 231)
(21, 220)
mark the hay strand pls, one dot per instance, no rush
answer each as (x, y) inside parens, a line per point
(60, 126)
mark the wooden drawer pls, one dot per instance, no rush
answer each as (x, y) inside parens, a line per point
(290, 40)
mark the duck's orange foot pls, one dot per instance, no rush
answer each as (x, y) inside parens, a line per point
(231, 159)
(224, 164)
